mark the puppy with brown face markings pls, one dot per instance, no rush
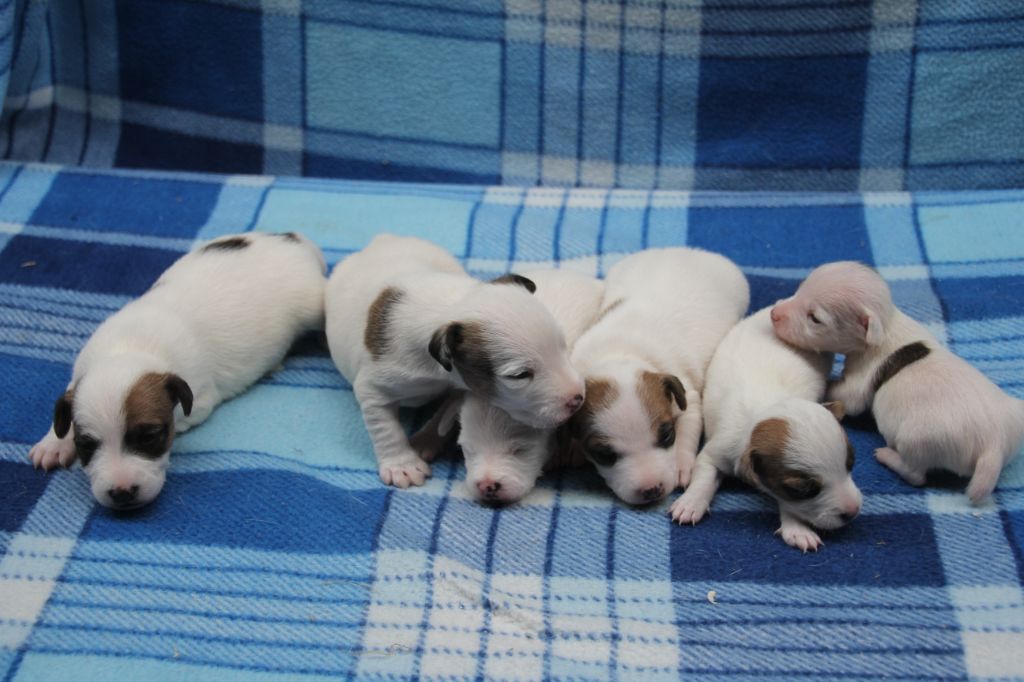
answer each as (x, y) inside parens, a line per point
(934, 410)
(663, 314)
(217, 320)
(763, 424)
(405, 324)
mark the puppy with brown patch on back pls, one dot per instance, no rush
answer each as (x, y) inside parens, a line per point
(934, 410)
(763, 424)
(663, 314)
(214, 322)
(405, 324)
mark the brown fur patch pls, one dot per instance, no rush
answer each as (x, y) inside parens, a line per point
(600, 394)
(467, 344)
(377, 336)
(149, 415)
(763, 465)
(899, 359)
(229, 244)
(654, 393)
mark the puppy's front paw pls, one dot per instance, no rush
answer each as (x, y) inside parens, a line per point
(403, 472)
(799, 536)
(689, 508)
(51, 452)
(684, 465)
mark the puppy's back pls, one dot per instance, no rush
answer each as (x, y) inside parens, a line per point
(573, 298)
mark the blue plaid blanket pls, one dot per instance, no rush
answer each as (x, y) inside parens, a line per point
(275, 552)
(845, 95)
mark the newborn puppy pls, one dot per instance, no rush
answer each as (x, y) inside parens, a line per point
(217, 320)
(405, 324)
(664, 313)
(505, 457)
(763, 424)
(934, 410)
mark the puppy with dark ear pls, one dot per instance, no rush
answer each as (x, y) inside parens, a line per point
(162, 363)
(763, 424)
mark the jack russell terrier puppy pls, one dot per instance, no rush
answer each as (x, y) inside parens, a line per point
(216, 321)
(934, 410)
(763, 424)
(664, 313)
(405, 324)
(505, 457)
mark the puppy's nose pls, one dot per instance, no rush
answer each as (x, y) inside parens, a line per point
(775, 314)
(488, 488)
(653, 493)
(574, 403)
(849, 514)
(123, 496)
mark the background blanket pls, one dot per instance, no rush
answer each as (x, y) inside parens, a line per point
(274, 550)
(723, 94)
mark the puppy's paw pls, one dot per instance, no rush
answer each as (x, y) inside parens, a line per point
(403, 472)
(689, 508)
(684, 465)
(51, 452)
(799, 536)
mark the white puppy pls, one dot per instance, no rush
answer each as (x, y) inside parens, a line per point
(217, 320)
(504, 457)
(664, 313)
(405, 324)
(934, 410)
(763, 424)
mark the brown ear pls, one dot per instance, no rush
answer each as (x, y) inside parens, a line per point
(62, 413)
(836, 408)
(674, 389)
(513, 278)
(180, 392)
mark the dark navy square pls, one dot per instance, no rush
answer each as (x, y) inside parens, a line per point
(22, 487)
(144, 147)
(339, 167)
(781, 113)
(981, 298)
(120, 203)
(765, 291)
(790, 236)
(1013, 526)
(273, 510)
(876, 550)
(198, 56)
(84, 266)
(29, 388)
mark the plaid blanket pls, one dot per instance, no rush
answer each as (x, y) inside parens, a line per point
(274, 551)
(723, 94)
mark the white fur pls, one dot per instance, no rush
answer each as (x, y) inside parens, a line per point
(436, 292)
(219, 319)
(504, 458)
(676, 305)
(937, 413)
(754, 376)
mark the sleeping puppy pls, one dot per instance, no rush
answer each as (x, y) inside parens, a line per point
(763, 424)
(664, 313)
(216, 321)
(504, 457)
(934, 410)
(405, 324)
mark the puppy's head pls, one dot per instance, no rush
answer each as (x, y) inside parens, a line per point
(123, 421)
(627, 429)
(800, 455)
(504, 458)
(841, 307)
(507, 348)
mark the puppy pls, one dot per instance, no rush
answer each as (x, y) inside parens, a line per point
(405, 324)
(216, 321)
(505, 457)
(934, 410)
(763, 424)
(663, 314)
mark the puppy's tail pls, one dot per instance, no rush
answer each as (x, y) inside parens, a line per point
(986, 475)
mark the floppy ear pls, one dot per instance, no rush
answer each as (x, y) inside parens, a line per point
(180, 392)
(873, 331)
(62, 413)
(441, 344)
(513, 278)
(836, 408)
(674, 389)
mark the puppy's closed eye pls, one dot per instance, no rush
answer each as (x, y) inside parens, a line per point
(147, 439)
(666, 435)
(600, 453)
(797, 486)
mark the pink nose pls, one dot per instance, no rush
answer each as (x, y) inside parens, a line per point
(850, 513)
(489, 489)
(574, 403)
(776, 315)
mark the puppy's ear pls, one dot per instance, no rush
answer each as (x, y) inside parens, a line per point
(836, 408)
(440, 347)
(674, 389)
(180, 392)
(513, 278)
(62, 413)
(873, 330)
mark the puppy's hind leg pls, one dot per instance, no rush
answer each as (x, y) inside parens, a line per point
(986, 475)
(894, 461)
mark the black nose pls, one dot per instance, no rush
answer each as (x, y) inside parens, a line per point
(846, 518)
(492, 489)
(123, 496)
(575, 403)
(653, 493)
